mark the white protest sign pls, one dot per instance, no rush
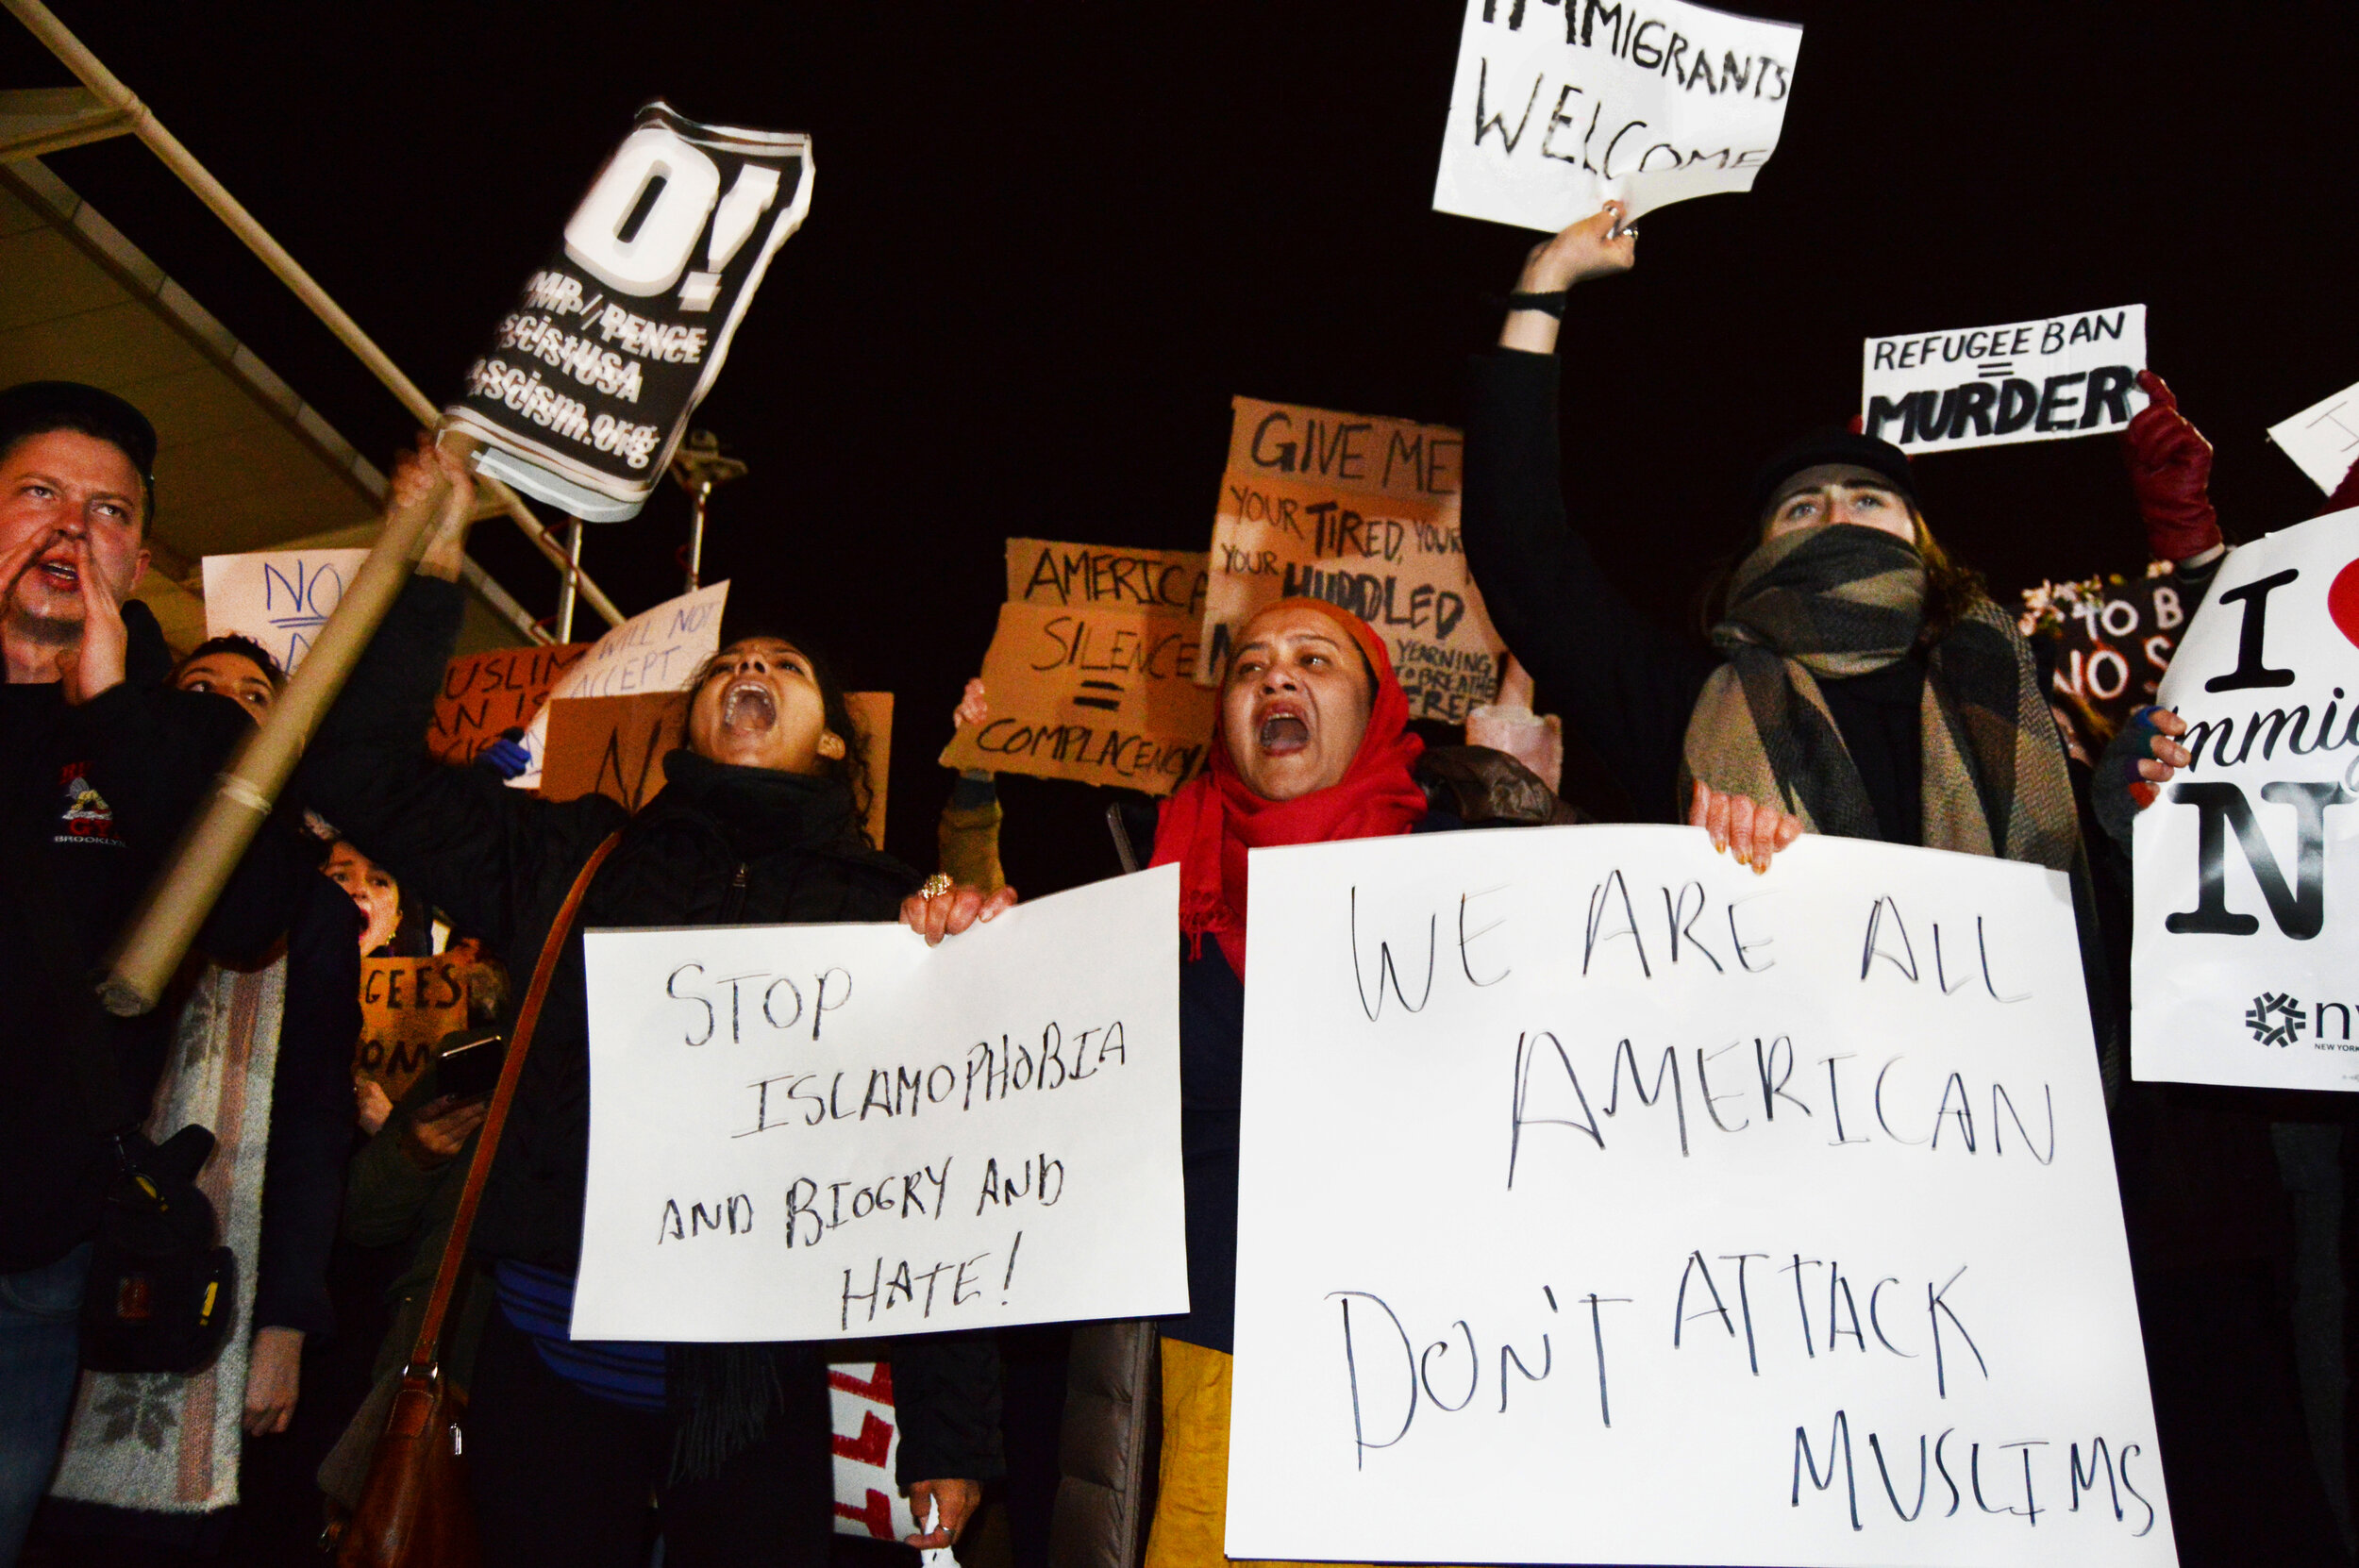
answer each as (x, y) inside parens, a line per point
(1603, 1202)
(2324, 439)
(814, 1132)
(1993, 386)
(1559, 106)
(657, 650)
(2247, 861)
(279, 598)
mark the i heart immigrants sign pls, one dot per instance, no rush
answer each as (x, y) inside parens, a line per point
(2248, 862)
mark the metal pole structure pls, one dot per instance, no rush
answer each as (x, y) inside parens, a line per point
(699, 466)
(696, 534)
(565, 589)
(61, 42)
(215, 840)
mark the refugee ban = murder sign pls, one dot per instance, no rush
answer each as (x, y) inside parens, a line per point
(1559, 105)
(1361, 513)
(2248, 862)
(590, 381)
(809, 1132)
(1603, 1202)
(1993, 386)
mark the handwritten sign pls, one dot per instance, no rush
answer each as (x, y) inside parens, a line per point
(1102, 695)
(1043, 571)
(487, 693)
(1361, 513)
(406, 1005)
(1603, 1202)
(2324, 439)
(2248, 863)
(615, 746)
(1557, 108)
(590, 381)
(279, 598)
(1993, 386)
(2112, 636)
(657, 650)
(812, 1132)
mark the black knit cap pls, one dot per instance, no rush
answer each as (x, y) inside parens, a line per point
(1833, 444)
(36, 408)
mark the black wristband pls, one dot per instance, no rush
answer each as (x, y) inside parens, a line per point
(1547, 304)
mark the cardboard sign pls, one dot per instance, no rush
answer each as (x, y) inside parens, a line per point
(817, 1132)
(2324, 439)
(1993, 386)
(2114, 637)
(279, 598)
(615, 746)
(487, 693)
(657, 650)
(2248, 862)
(1603, 1202)
(1558, 106)
(406, 1005)
(1361, 513)
(591, 379)
(1043, 571)
(1102, 695)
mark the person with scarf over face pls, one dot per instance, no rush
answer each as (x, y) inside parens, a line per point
(1858, 681)
(757, 823)
(1312, 744)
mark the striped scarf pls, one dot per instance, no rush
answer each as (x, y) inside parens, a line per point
(1831, 602)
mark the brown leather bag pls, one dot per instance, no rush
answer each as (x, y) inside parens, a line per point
(416, 1511)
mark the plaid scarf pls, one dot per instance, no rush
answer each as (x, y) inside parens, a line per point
(1831, 602)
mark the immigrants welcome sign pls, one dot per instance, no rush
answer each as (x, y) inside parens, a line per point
(2247, 861)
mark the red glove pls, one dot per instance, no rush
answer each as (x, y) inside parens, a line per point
(2171, 469)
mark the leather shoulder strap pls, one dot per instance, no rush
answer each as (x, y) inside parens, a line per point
(424, 1354)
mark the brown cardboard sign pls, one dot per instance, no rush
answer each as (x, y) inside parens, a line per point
(1361, 513)
(406, 1005)
(484, 693)
(1046, 572)
(1100, 695)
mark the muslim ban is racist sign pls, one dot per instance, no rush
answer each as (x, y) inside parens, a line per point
(818, 1132)
(1777, 1212)
(589, 382)
(1363, 512)
(1559, 105)
(1992, 386)
(2246, 930)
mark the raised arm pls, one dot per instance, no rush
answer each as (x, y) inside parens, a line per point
(1621, 682)
(460, 835)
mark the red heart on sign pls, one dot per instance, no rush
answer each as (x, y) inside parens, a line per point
(2342, 602)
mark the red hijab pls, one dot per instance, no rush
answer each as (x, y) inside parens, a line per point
(1210, 822)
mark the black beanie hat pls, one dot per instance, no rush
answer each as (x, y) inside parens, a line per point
(1835, 444)
(36, 408)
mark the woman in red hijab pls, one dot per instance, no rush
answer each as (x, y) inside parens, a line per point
(1312, 744)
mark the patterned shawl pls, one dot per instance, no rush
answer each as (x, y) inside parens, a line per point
(1830, 602)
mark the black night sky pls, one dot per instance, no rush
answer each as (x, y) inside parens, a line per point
(1049, 241)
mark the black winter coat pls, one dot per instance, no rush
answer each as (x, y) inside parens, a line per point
(718, 845)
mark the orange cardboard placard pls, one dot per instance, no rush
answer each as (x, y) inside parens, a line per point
(484, 693)
(406, 1007)
(1046, 572)
(1101, 694)
(1361, 513)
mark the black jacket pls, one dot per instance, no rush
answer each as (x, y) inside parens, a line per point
(90, 797)
(718, 845)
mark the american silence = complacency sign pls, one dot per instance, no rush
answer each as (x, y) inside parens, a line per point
(591, 379)
(1992, 386)
(2248, 862)
(1603, 1202)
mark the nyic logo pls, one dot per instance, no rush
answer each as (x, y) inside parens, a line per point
(2277, 1019)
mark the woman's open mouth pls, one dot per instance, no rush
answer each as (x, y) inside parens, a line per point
(1284, 734)
(748, 705)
